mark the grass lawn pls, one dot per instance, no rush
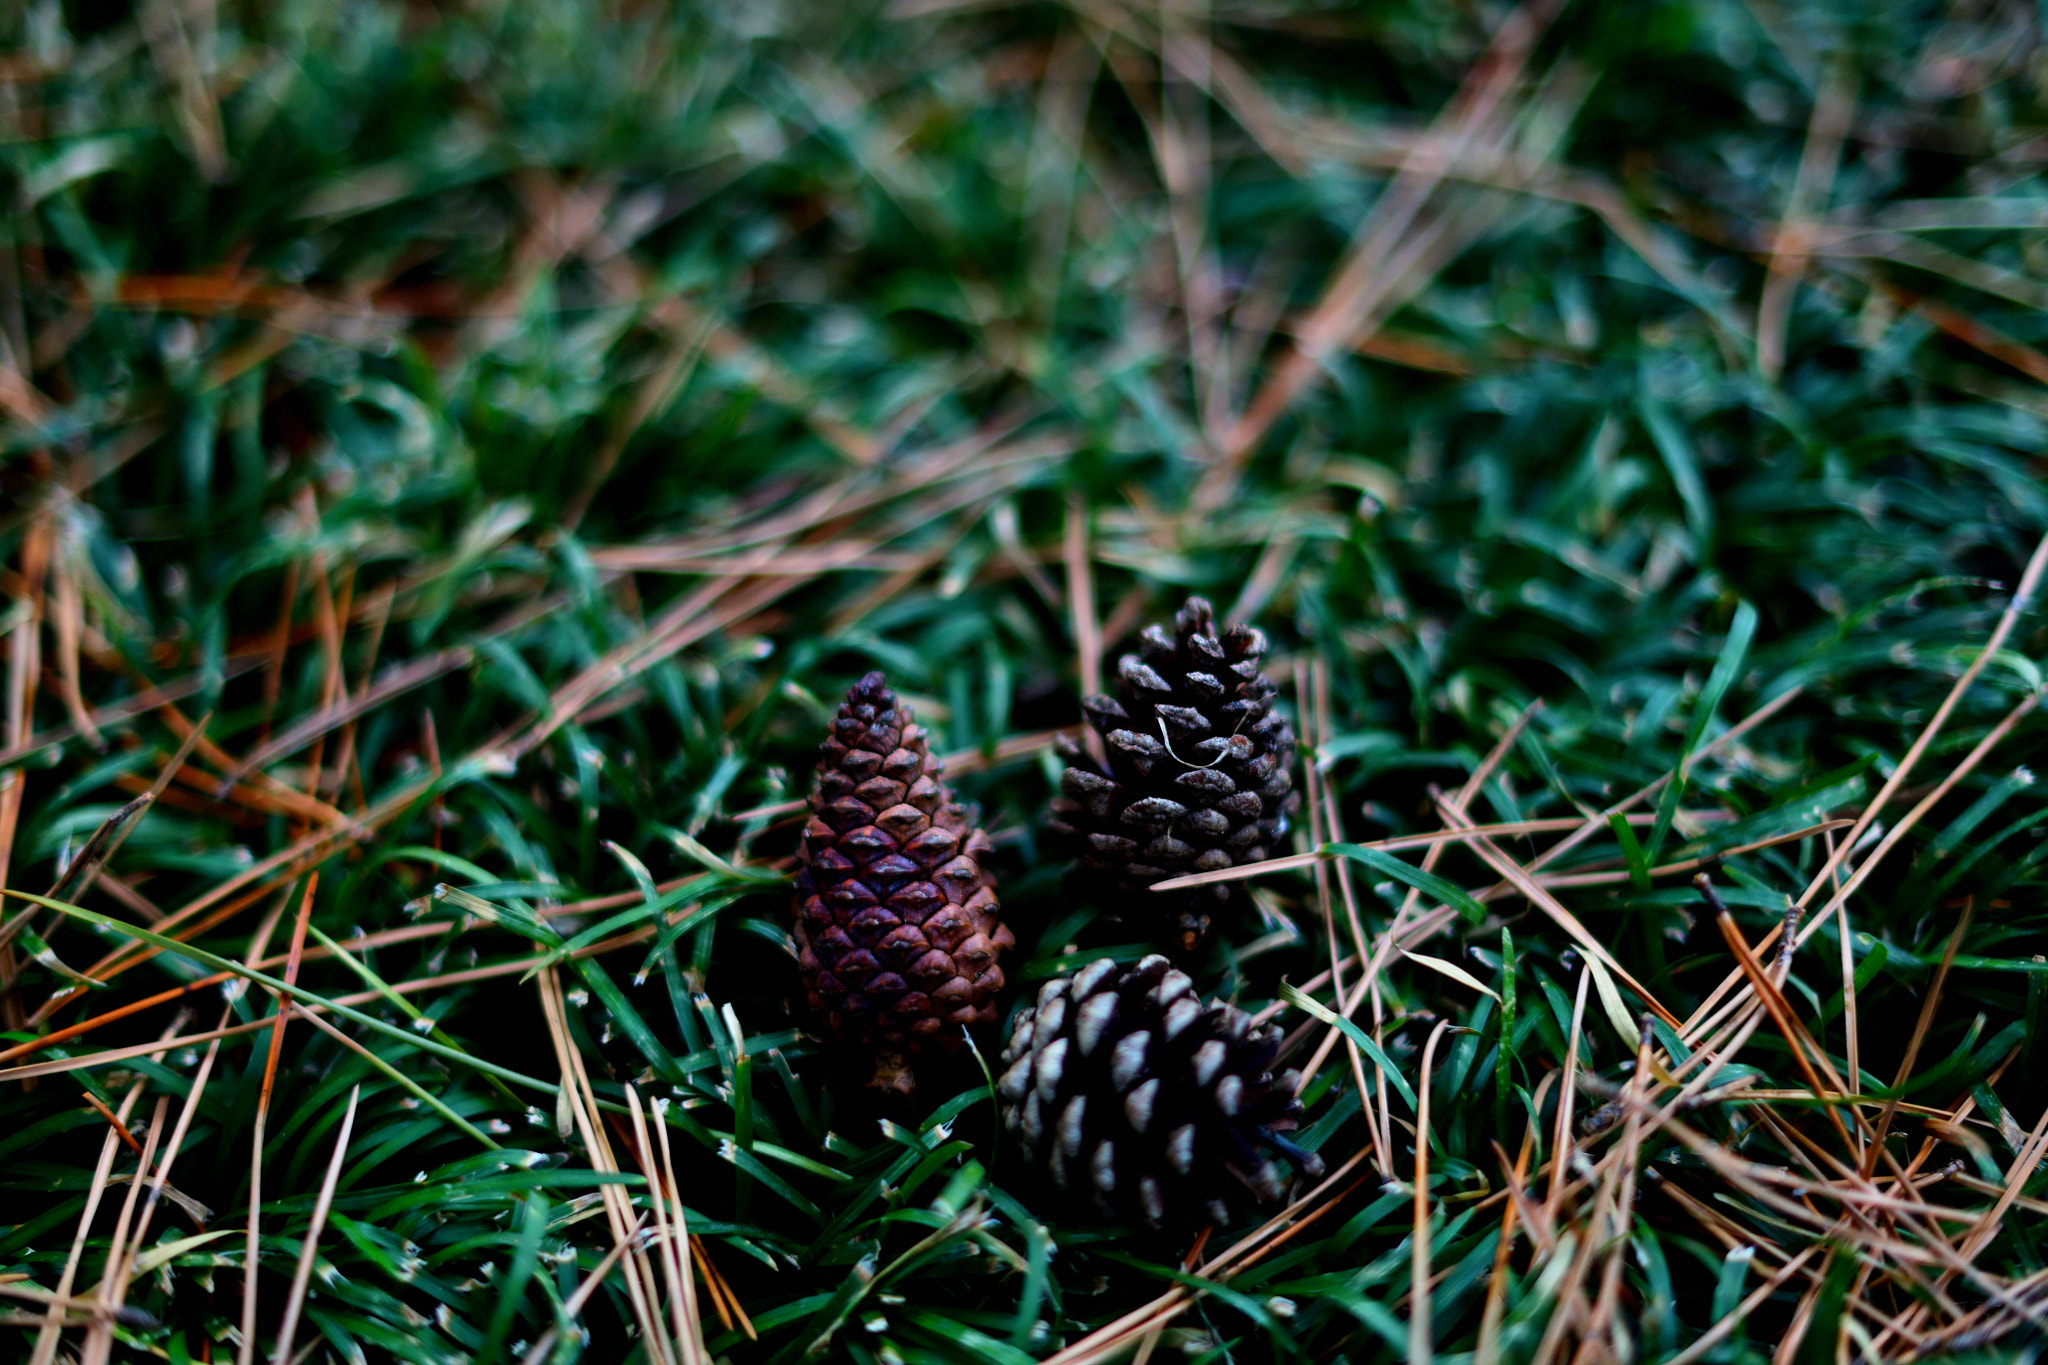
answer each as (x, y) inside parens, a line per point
(456, 457)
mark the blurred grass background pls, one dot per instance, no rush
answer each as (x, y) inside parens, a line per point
(513, 426)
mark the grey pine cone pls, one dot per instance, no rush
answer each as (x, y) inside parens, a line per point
(1200, 773)
(1123, 1086)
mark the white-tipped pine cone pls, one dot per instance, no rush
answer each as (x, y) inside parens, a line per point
(1123, 1086)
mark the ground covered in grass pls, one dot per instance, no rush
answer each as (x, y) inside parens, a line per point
(456, 457)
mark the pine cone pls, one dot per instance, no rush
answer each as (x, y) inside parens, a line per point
(1200, 772)
(896, 929)
(1126, 1086)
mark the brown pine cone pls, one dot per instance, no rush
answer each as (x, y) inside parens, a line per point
(896, 927)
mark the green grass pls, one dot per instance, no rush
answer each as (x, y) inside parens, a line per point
(595, 392)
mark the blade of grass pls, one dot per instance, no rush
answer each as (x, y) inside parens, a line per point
(246, 1348)
(1727, 668)
(302, 1278)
